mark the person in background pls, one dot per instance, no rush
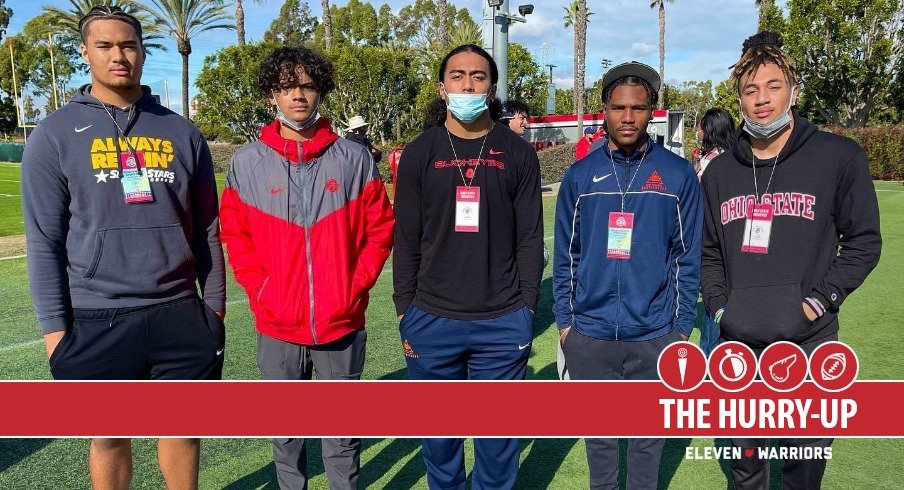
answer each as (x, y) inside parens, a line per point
(715, 132)
(357, 131)
(583, 146)
(515, 116)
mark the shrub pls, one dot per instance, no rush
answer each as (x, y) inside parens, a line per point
(884, 146)
(554, 161)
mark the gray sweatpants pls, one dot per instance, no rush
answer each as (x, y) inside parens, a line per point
(592, 359)
(341, 359)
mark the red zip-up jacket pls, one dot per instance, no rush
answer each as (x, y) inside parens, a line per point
(308, 227)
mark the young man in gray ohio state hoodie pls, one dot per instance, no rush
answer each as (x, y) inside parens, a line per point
(121, 226)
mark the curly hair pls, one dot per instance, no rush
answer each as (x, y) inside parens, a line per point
(280, 70)
(514, 106)
(762, 49)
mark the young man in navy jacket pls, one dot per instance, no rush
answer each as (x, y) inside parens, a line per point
(627, 259)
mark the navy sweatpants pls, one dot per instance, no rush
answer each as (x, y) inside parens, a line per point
(438, 348)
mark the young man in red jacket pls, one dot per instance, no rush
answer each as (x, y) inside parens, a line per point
(307, 225)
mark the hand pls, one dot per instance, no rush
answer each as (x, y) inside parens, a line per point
(400, 317)
(563, 333)
(221, 314)
(809, 313)
(52, 340)
(683, 337)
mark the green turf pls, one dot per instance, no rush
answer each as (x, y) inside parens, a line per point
(10, 200)
(870, 319)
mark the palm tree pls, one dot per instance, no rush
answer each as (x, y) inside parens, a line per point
(577, 15)
(240, 20)
(327, 23)
(661, 5)
(56, 20)
(185, 19)
(443, 29)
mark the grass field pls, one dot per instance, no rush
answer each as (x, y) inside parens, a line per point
(871, 324)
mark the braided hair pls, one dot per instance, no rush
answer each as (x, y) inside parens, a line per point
(762, 49)
(107, 12)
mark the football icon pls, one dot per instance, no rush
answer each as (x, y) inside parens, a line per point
(833, 366)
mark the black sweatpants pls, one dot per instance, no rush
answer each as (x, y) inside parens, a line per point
(181, 339)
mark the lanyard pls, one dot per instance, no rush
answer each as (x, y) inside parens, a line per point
(756, 190)
(479, 156)
(125, 135)
(621, 192)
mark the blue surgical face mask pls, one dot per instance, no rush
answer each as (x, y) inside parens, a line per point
(765, 131)
(467, 107)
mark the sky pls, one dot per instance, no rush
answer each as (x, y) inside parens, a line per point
(703, 37)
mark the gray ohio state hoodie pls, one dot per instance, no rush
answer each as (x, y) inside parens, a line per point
(88, 248)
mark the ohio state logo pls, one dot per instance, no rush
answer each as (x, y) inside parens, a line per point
(332, 185)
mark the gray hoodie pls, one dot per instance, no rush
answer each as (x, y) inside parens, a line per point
(86, 247)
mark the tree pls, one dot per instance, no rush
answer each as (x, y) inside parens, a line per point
(845, 53)
(441, 14)
(770, 16)
(577, 15)
(7, 106)
(727, 98)
(184, 19)
(230, 106)
(55, 20)
(377, 83)
(240, 20)
(327, 23)
(692, 96)
(660, 4)
(527, 82)
(293, 26)
(5, 14)
(29, 111)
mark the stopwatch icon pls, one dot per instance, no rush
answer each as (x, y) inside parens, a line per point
(733, 367)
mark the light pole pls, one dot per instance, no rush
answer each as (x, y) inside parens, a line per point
(500, 18)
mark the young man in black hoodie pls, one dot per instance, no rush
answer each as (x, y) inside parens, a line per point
(120, 210)
(812, 194)
(468, 257)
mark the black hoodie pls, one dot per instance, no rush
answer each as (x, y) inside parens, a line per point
(87, 248)
(824, 240)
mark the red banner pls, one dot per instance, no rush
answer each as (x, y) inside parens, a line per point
(459, 409)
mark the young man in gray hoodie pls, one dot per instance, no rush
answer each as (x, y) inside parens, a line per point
(120, 208)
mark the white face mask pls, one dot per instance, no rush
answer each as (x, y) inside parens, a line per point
(765, 131)
(298, 126)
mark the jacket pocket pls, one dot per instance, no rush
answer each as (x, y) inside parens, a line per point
(140, 262)
(762, 315)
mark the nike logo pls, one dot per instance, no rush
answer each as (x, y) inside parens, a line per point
(496, 152)
(525, 346)
(220, 352)
(79, 130)
(599, 179)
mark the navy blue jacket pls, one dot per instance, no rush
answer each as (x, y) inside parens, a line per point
(653, 292)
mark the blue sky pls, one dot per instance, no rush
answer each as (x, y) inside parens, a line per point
(703, 37)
